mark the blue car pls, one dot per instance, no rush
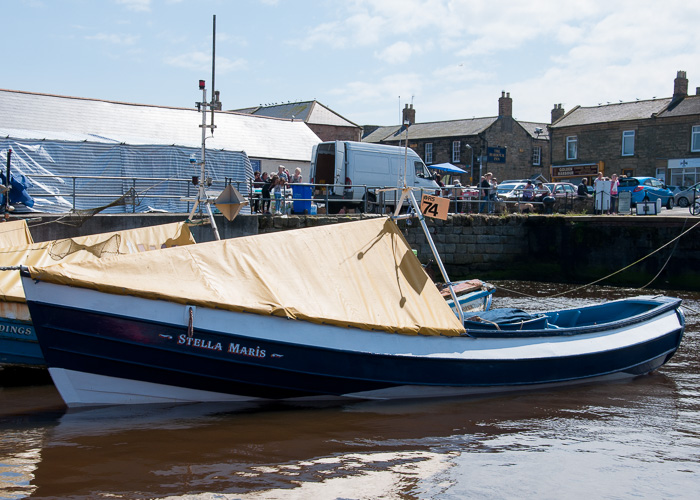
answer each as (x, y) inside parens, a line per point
(646, 187)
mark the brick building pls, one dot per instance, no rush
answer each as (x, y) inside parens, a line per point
(657, 138)
(509, 148)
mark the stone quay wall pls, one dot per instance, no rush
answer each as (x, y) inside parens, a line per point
(553, 248)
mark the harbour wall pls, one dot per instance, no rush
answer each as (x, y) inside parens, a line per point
(571, 249)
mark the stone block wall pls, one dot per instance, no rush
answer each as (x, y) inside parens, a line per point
(629, 251)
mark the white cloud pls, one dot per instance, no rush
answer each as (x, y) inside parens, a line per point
(136, 5)
(541, 51)
(398, 53)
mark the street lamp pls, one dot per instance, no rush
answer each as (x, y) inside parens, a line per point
(471, 163)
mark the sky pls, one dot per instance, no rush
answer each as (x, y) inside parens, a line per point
(364, 59)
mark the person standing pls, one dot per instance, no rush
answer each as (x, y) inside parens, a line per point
(494, 195)
(485, 186)
(265, 193)
(282, 173)
(614, 183)
(583, 188)
(278, 188)
(257, 184)
(297, 176)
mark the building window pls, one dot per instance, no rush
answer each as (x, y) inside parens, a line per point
(429, 152)
(628, 143)
(537, 155)
(695, 139)
(455, 151)
(571, 147)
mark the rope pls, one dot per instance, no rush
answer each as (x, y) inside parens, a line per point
(685, 221)
(632, 264)
(618, 271)
(10, 268)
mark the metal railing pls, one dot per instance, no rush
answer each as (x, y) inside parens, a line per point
(81, 187)
(368, 199)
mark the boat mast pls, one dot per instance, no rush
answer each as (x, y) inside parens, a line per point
(203, 182)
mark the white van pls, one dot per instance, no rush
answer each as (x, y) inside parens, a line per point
(367, 167)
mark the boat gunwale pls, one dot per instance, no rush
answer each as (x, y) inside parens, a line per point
(663, 305)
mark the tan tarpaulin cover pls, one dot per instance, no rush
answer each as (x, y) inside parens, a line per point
(360, 274)
(14, 234)
(86, 248)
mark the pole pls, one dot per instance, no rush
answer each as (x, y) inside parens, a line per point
(436, 254)
(8, 185)
(213, 59)
(214, 94)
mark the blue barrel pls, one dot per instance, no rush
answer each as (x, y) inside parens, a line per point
(301, 196)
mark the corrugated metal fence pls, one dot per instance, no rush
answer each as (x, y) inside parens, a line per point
(85, 175)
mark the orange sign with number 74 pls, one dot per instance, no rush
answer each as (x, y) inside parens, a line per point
(434, 206)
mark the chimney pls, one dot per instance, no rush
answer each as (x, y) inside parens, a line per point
(505, 105)
(680, 87)
(409, 114)
(557, 112)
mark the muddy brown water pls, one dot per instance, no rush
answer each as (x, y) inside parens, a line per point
(637, 439)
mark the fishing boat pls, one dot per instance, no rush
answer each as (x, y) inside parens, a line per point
(472, 295)
(18, 342)
(337, 311)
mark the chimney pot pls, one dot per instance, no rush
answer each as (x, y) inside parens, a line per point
(557, 112)
(505, 105)
(680, 86)
(409, 114)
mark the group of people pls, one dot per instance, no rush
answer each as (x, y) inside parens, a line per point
(613, 191)
(273, 186)
(535, 192)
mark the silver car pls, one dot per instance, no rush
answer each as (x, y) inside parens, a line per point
(685, 198)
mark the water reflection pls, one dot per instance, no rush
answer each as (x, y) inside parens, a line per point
(638, 438)
(168, 450)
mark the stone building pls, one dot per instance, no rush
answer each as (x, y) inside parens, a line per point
(657, 138)
(323, 121)
(509, 148)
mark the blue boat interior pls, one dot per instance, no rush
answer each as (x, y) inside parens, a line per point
(513, 320)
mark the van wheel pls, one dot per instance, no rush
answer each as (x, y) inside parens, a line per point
(372, 207)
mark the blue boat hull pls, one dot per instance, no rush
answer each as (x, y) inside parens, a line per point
(19, 345)
(129, 354)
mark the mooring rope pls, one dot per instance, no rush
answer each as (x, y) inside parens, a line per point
(618, 271)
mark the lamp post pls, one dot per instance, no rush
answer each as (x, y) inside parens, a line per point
(471, 164)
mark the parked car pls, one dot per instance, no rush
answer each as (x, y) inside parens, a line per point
(510, 191)
(685, 198)
(562, 189)
(646, 187)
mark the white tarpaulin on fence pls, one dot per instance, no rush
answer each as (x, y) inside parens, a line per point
(146, 168)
